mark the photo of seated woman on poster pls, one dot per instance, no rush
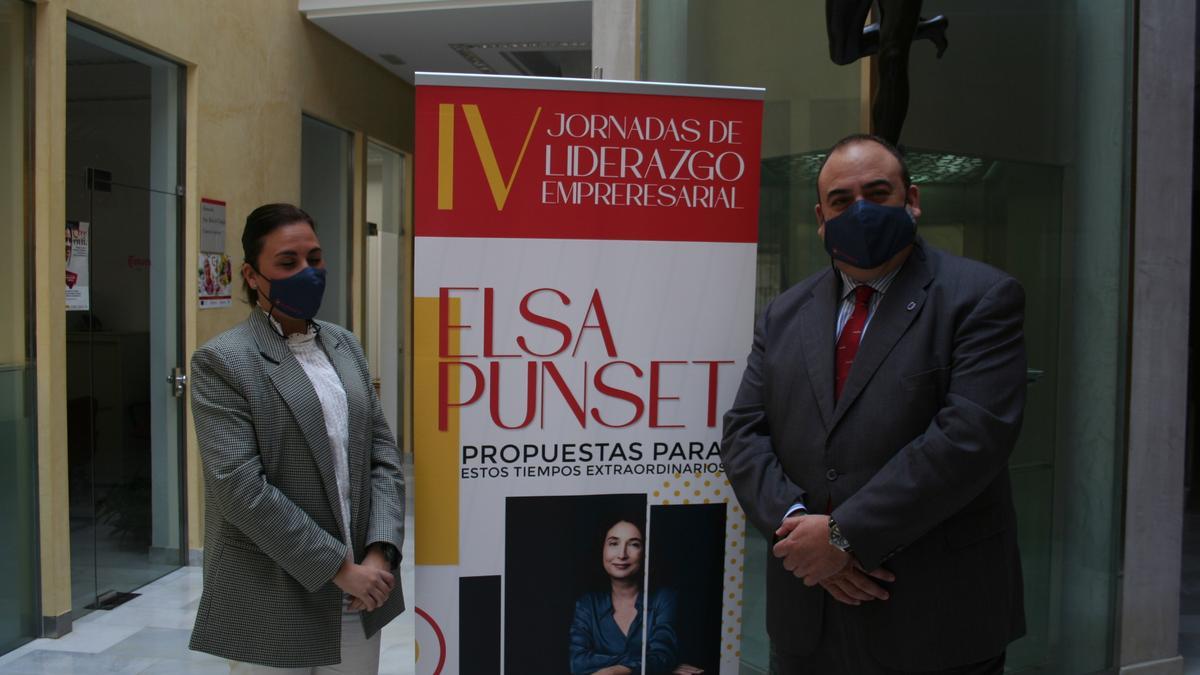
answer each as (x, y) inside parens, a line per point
(598, 602)
(606, 631)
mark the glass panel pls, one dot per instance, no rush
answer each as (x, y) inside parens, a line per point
(326, 180)
(385, 277)
(1054, 211)
(1039, 190)
(806, 109)
(18, 453)
(777, 44)
(1010, 215)
(123, 112)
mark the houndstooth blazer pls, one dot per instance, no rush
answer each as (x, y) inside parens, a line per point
(272, 539)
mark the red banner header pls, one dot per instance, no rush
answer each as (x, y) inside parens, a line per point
(531, 163)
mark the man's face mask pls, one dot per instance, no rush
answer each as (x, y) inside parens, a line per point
(299, 296)
(867, 235)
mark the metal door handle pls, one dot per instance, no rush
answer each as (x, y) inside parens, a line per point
(178, 381)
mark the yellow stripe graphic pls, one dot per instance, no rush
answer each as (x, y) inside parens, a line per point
(435, 458)
(445, 180)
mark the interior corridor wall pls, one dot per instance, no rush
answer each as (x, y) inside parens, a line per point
(253, 69)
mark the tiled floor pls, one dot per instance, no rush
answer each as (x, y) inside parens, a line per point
(101, 561)
(149, 635)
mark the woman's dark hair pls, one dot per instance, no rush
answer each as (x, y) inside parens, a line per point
(259, 224)
(638, 520)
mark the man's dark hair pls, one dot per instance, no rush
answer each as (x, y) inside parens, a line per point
(866, 138)
(259, 224)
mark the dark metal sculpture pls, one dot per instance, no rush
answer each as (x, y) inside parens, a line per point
(890, 38)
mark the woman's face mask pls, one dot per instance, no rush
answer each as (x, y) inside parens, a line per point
(292, 266)
(298, 296)
(867, 235)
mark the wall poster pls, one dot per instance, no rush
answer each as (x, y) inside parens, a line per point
(583, 304)
(215, 280)
(78, 277)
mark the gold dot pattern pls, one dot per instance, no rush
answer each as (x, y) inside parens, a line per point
(714, 489)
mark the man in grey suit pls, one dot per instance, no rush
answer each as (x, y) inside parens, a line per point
(870, 436)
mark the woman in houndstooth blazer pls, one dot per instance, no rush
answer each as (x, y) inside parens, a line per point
(304, 485)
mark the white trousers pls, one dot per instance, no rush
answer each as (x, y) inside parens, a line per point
(360, 656)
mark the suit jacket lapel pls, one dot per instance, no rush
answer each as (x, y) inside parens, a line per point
(358, 443)
(896, 311)
(818, 319)
(296, 390)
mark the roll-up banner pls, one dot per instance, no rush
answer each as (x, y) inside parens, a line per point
(583, 305)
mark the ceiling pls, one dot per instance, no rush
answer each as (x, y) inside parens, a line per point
(517, 37)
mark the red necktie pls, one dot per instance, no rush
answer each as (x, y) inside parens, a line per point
(847, 344)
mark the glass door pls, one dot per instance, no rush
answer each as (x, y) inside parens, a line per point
(386, 278)
(123, 338)
(326, 187)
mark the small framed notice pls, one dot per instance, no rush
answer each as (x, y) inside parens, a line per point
(212, 225)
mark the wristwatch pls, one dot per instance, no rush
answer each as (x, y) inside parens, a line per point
(836, 538)
(390, 553)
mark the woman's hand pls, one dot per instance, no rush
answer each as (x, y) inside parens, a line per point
(375, 559)
(685, 669)
(614, 670)
(369, 583)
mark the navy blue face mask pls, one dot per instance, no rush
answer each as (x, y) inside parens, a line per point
(867, 235)
(298, 296)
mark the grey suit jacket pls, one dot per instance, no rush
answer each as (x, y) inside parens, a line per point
(912, 457)
(272, 539)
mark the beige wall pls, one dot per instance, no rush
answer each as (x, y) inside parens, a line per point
(253, 68)
(12, 183)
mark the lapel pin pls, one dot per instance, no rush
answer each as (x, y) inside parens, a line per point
(912, 304)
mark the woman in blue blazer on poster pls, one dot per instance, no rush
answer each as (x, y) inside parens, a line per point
(606, 632)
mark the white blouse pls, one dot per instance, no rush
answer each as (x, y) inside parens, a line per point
(332, 395)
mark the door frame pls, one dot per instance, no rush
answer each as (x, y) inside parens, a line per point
(404, 386)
